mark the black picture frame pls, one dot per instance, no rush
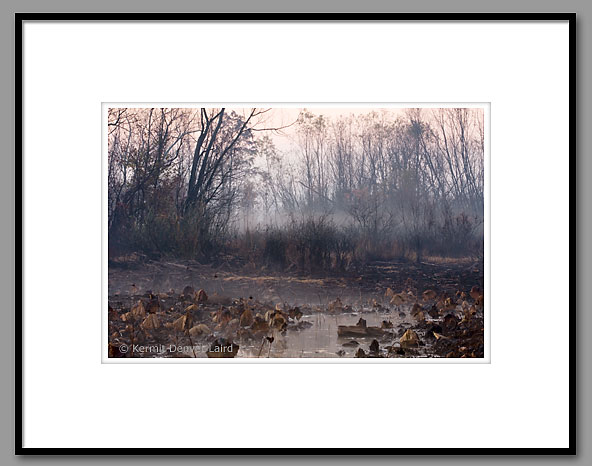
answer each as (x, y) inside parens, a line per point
(278, 17)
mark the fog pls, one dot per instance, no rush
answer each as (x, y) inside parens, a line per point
(317, 187)
(262, 232)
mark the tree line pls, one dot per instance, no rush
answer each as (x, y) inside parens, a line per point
(200, 182)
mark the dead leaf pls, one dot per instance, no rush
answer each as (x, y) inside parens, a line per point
(183, 323)
(449, 322)
(416, 309)
(151, 322)
(360, 353)
(475, 292)
(246, 318)
(434, 313)
(188, 291)
(374, 346)
(259, 324)
(409, 339)
(386, 324)
(295, 313)
(179, 324)
(202, 297)
(419, 316)
(278, 321)
(479, 301)
(138, 310)
(200, 329)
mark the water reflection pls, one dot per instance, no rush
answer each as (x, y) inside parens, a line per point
(320, 340)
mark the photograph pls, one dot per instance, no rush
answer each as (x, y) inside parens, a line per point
(295, 232)
(347, 201)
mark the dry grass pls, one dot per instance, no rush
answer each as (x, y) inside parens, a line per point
(439, 260)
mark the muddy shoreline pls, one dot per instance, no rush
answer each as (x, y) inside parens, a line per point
(186, 309)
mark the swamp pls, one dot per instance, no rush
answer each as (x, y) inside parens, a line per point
(295, 233)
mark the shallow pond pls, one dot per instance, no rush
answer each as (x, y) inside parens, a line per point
(321, 340)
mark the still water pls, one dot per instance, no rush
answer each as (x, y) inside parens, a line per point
(321, 340)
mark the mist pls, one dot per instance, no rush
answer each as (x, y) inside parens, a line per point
(260, 183)
(285, 233)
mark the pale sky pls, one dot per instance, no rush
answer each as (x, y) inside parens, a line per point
(286, 114)
(283, 116)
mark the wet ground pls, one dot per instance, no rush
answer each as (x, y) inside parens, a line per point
(358, 286)
(321, 340)
(255, 315)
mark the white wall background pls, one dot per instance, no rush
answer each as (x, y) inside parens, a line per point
(519, 400)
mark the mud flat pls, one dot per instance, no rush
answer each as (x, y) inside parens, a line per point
(182, 309)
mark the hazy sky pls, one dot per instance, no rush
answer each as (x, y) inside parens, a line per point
(284, 116)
